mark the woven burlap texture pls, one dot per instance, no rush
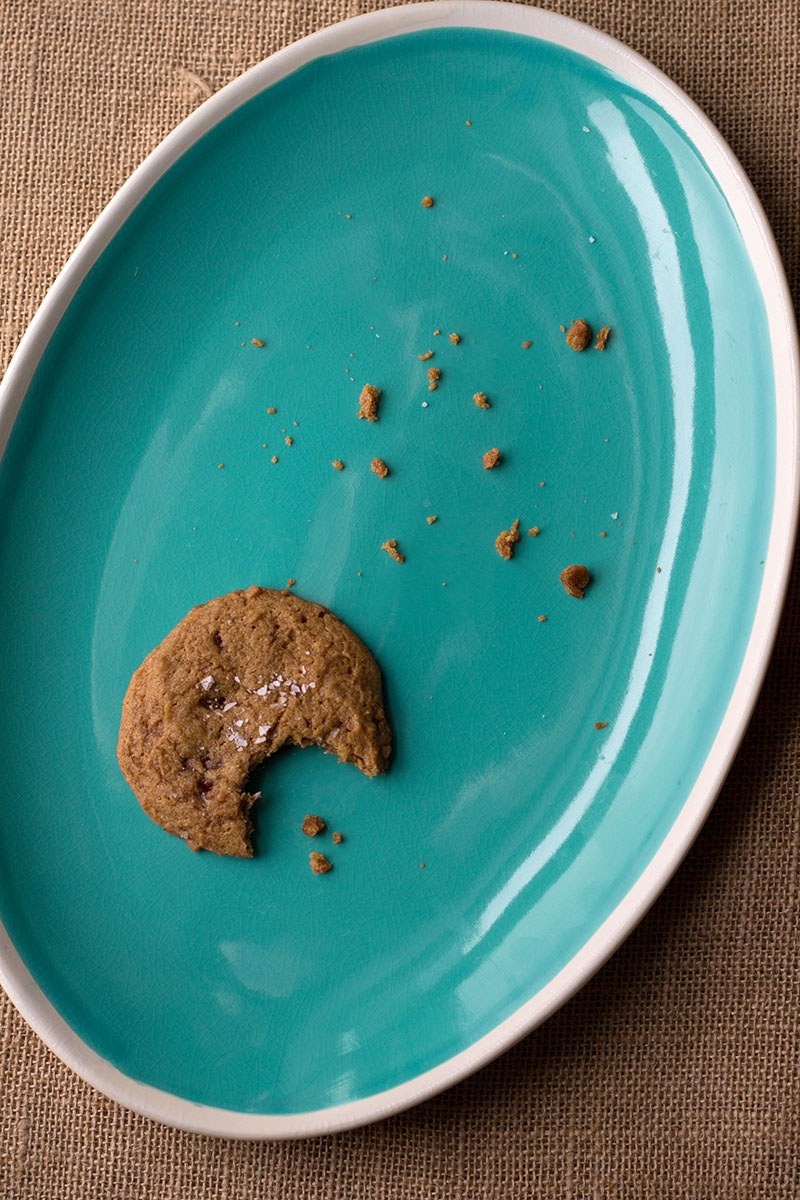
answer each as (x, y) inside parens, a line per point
(675, 1073)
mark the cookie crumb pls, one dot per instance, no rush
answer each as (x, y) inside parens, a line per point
(534, 532)
(527, 345)
(272, 410)
(368, 402)
(288, 441)
(220, 466)
(423, 864)
(434, 374)
(603, 533)
(274, 458)
(579, 335)
(337, 839)
(436, 332)
(455, 339)
(379, 467)
(602, 337)
(575, 580)
(427, 201)
(338, 464)
(291, 582)
(491, 458)
(257, 342)
(319, 863)
(482, 400)
(424, 357)
(504, 542)
(431, 520)
(541, 617)
(391, 549)
(600, 724)
(312, 825)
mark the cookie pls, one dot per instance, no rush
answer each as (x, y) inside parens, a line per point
(235, 680)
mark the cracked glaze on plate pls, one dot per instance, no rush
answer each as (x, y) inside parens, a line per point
(561, 189)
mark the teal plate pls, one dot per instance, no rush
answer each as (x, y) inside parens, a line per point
(254, 997)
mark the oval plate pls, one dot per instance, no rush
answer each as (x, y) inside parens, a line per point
(570, 178)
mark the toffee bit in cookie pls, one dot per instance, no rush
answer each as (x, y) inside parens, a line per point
(534, 532)
(427, 202)
(482, 400)
(600, 724)
(504, 542)
(379, 467)
(312, 825)
(272, 410)
(527, 345)
(455, 339)
(257, 342)
(337, 839)
(575, 580)
(431, 520)
(424, 357)
(491, 458)
(391, 549)
(319, 863)
(368, 403)
(602, 337)
(338, 464)
(579, 335)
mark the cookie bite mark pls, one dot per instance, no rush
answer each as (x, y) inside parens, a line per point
(235, 680)
(368, 403)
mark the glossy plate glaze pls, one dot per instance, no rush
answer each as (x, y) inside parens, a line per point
(252, 997)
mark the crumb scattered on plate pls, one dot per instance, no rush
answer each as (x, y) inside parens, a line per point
(575, 579)
(600, 724)
(527, 345)
(431, 520)
(455, 339)
(391, 549)
(319, 863)
(482, 400)
(312, 825)
(491, 458)
(534, 531)
(602, 337)
(504, 542)
(424, 357)
(338, 464)
(579, 334)
(427, 201)
(257, 342)
(379, 467)
(337, 839)
(368, 402)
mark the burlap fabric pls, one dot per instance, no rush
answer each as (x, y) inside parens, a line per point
(676, 1072)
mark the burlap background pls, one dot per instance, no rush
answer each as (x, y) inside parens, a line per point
(676, 1072)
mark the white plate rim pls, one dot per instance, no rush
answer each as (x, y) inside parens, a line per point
(17, 981)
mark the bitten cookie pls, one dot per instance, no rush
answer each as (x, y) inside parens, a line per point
(234, 681)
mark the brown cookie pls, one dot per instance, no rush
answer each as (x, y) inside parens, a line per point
(234, 681)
